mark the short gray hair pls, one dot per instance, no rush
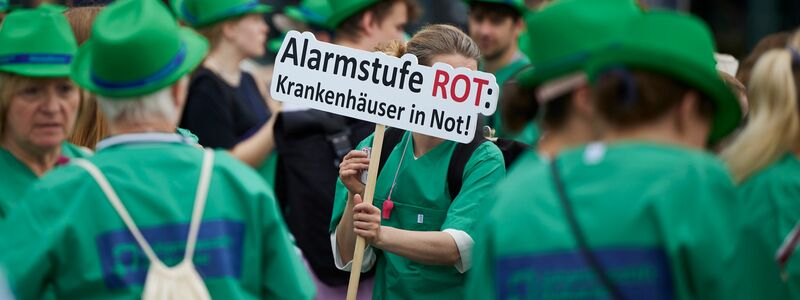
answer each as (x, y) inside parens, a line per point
(158, 105)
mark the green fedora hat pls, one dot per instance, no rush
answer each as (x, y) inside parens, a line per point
(564, 35)
(518, 5)
(36, 43)
(201, 13)
(136, 48)
(313, 12)
(679, 46)
(3, 5)
(341, 10)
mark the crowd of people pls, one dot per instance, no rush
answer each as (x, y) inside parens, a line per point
(142, 156)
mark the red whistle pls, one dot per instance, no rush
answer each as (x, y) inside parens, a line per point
(388, 205)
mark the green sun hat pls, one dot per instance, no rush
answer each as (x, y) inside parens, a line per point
(679, 46)
(313, 12)
(136, 48)
(36, 43)
(563, 36)
(518, 5)
(341, 10)
(201, 13)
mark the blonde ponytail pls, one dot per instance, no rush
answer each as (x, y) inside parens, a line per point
(774, 121)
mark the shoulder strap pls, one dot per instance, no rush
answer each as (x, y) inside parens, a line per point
(580, 238)
(200, 197)
(113, 198)
(391, 138)
(458, 162)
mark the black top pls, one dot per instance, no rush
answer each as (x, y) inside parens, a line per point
(222, 115)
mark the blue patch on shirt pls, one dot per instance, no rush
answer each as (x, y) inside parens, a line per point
(640, 273)
(218, 252)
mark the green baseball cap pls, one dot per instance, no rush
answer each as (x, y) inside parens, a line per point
(341, 10)
(564, 35)
(518, 5)
(679, 46)
(313, 12)
(136, 48)
(201, 13)
(36, 43)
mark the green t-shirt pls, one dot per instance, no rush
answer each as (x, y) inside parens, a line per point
(771, 200)
(422, 203)
(17, 177)
(657, 217)
(243, 249)
(503, 75)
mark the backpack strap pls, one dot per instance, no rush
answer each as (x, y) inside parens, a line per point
(391, 138)
(199, 203)
(458, 162)
(580, 238)
(113, 198)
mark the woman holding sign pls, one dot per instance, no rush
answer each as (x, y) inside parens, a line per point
(225, 107)
(424, 234)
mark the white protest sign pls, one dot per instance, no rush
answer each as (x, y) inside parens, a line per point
(438, 101)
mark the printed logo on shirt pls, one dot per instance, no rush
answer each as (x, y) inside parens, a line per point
(218, 252)
(640, 273)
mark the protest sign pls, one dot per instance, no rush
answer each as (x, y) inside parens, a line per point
(438, 101)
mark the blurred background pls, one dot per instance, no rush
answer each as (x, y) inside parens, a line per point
(737, 24)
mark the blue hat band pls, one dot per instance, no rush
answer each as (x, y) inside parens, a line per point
(161, 74)
(36, 58)
(312, 15)
(228, 12)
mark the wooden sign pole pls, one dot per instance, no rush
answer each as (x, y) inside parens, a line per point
(369, 192)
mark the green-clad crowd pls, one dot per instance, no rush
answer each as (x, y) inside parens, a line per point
(619, 193)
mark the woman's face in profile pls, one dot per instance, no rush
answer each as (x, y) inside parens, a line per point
(457, 61)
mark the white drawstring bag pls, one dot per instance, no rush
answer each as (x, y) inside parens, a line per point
(165, 283)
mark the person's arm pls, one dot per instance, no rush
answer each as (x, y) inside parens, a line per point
(350, 169)
(254, 150)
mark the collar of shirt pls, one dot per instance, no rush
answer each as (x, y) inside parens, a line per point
(143, 138)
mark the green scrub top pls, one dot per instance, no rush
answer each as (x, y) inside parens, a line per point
(422, 203)
(17, 177)
(659, 219)
(771, 199)
(503, 75)
(243, 249)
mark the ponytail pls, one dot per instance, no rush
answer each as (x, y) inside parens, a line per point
(774, 120)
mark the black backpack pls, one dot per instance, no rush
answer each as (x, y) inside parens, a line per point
(461, 154)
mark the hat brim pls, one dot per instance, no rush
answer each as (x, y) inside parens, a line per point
(177, 6)
(196, 49)
(727, 114)
(522, 9)
(339, 16)
(38, 70)
(535, 76)
(295, 13)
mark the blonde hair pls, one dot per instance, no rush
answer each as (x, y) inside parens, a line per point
(91, 126)
(434, 40)
(774, 120)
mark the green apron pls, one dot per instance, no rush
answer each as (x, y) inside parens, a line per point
(243, 249)
(657, 217)
(422, 203)
(17, 178)
(771, 199)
